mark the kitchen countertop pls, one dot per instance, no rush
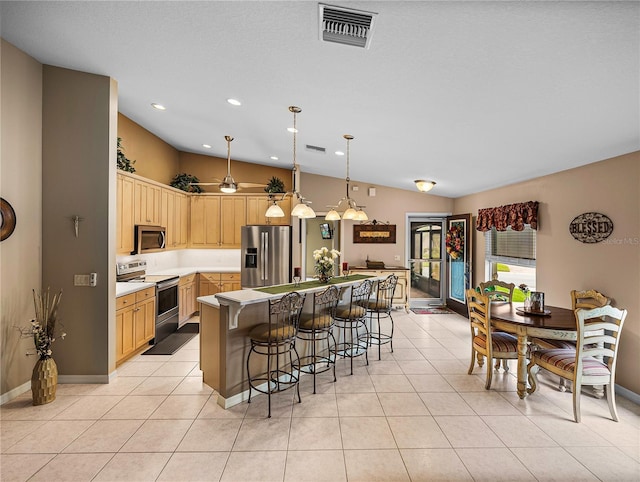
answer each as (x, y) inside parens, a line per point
(123, 289)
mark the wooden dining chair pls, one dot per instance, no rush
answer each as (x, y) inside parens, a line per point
(598, 332)
(498, 290)
(484, 341)
(586, 299)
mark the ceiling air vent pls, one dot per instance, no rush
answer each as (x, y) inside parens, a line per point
(319, 149)
(346, 26)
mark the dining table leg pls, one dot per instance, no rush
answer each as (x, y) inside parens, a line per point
(522, 362)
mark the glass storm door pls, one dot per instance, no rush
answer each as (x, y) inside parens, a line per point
(426, 261)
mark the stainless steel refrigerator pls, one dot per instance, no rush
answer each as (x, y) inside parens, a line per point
(266, 255)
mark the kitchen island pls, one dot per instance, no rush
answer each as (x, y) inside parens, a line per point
(225, 322)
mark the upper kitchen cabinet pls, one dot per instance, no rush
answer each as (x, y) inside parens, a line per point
(233, 215)
(174, 215)
(257, 207)
(124, 210)
(147, 199)
(216, 220)
(205, 221)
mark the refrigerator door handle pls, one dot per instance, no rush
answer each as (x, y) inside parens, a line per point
(265, 251)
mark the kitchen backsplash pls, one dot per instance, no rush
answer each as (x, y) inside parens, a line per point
(187, 258)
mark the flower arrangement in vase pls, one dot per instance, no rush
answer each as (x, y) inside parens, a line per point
(325, 260)
(43, 330)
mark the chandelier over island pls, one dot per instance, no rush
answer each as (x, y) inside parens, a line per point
(302, 208)
(352, 211)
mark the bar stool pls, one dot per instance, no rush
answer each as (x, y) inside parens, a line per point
(317, 327)
(276, 340)
(381, 307)
(348, 318)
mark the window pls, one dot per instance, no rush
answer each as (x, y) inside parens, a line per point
(511, 256)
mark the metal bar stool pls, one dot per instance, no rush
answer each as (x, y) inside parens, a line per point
(318, 327)
(381, 307)
(276, 340)
(348, 319)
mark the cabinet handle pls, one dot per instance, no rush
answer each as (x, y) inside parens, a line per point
(137, 309)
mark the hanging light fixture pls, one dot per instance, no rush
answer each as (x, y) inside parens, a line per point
(228, 184)
(302, 208)
(424, 186)
(353, 211)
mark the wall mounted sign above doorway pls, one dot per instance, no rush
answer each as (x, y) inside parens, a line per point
(591, 228)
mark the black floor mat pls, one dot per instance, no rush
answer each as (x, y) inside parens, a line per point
(174, 341)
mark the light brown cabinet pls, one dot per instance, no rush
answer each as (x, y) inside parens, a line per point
(187, 294)
(174, 215)
(146, 203)
(257, 207)
(401, 294)
(213, 283)
(124, 214)
(216, 220)
(135, 322)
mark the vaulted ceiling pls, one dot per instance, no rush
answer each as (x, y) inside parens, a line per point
(473, 95)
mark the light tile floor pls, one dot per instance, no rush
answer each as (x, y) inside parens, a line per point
(414, 415)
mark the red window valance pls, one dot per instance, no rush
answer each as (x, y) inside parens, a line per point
(514, 215)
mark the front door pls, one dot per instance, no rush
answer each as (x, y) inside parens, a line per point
(458, 252)
(426, 261)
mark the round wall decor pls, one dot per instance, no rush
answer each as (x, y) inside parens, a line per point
(8, 219)
(591, 227)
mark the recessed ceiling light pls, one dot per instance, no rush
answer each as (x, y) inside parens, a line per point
(292, 129)
(274, 158)
(339, 153)
(234, 102)
(206, 146)
(158, 106)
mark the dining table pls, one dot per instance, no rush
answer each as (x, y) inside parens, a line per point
(554, 323)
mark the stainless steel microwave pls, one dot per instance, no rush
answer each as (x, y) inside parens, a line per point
(149, 239)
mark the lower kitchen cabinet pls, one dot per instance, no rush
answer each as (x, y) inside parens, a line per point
(187, 294)
(213, 283)
(135, 322)
(401, 294)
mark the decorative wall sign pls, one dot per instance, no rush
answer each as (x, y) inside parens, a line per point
(7, 219)
(374, 233)
(591, 227)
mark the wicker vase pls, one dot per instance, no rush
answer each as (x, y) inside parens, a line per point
(44, 381)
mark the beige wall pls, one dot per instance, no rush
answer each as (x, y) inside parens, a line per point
(609, 187)
(21, 185)
(79, 178)
(209, 168)
(155, 159)
(389, 205)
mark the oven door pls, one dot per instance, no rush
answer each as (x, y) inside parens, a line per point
(167, 309)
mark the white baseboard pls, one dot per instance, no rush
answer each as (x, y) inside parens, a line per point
(16, 392)
(628, 394)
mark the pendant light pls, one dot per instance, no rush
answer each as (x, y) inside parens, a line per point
(353, 211)
(228, 184)
(302, 208)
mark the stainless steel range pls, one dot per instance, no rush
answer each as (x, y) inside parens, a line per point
(167, 308)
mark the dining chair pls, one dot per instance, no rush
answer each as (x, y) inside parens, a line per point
(275, 340)
(598, 335)
(586, 299)
(484, 340)
(498, 290)
(317, 327)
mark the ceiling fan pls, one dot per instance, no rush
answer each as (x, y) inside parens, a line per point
(228, 185)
